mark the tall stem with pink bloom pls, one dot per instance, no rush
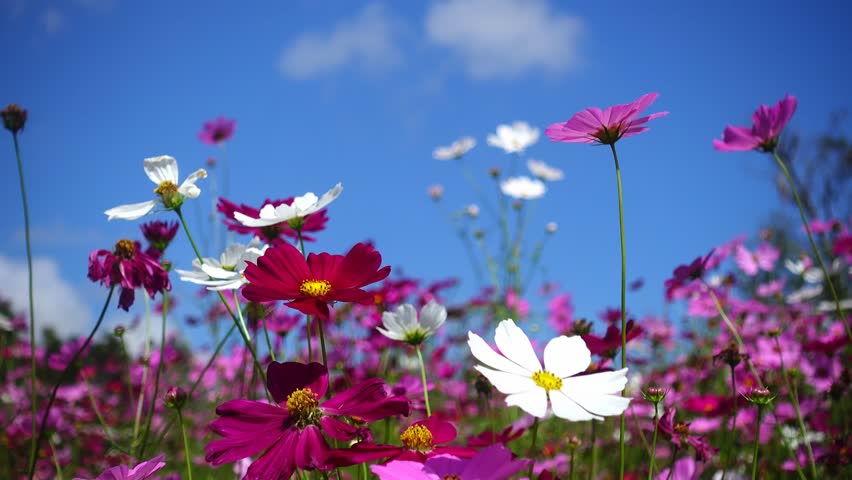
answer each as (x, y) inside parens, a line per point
(622, 421)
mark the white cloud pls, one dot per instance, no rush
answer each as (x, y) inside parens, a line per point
(53, 20)
(505, 38)
(57, 303)
(366, 41)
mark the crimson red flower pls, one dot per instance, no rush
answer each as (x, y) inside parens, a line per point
(684, 274)
(282, 273)
(130, 268)
(314, 222)
(290, 435)
(611, 341)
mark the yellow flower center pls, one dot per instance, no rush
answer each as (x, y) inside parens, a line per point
(547, 380)
(417, 437)
(452, 476)
(166, 187)
(302, 406)
(125, 249)
(315, 288)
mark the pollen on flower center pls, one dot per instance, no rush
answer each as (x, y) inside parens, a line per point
(451, 476)
(166, 187)
(125, 249)
(417, 437)
(302, 406)
(547, 380)
(315, 288)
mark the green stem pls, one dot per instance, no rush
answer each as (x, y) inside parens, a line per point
(840, 314)
(621, 452)
(128, 361)
(33, 391)
(672, 464)
(756, 443)
(137, 418)
(533, 445)
(156, 376)
(733, 330)
(101, 420)
(794, 399)
(322, 342)
(62, 378)
(733, 424)
(593, 471)
(185, 446)
(571, 465)
(653, 459)
(423, 379)
(268, 341)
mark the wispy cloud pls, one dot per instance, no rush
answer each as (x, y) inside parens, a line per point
(57, 303)
(505, 38)
(366, 41)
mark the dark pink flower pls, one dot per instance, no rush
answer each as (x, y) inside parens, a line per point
(611, 341)
(492, 463)
(594, 125)
(215, 132)
(159, 235)
(290, 435)
(314, 222)
(129, 268)
(763, 258)
(763, 135)
(140, 472)
(681, 436)
(685, 274)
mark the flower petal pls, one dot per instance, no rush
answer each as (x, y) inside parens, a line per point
(533, 402)
(602, 382)
(508, 383)
(485, 354)
(564, 407)
(131, 211)
(516, 346)
(161, 169)
(566, 356)
(188, 188)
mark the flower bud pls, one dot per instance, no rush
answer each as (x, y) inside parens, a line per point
(175, 397)
(551, 227)
(119, 331)
(472, 210)
(494, 172)
(574, 442)
(14, 118)
(655, 394)
(581, 327)
(760, 396)
(436, 192)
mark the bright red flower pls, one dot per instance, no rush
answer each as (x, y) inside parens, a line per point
(594, 125)
(282, 273)
(314, 222)
(130, 268)
(290, 435)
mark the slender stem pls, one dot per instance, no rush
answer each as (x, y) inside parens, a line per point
(268, 341)
(137, 419)
(364, 473)
(672, 464)
(794, 399)
(593, 471)
(56, 463)
(640, 432)
(160, 363)
(101, 420)
(128, 361)
(322, 342)
(533, 445)
(729, 453)
(653, 459)
(425, 385)
(571, 465)
(756, 443)
(733, 330)
(185, 446)
(62, 378)
(623, 305)
(33, 390)
(840, 314)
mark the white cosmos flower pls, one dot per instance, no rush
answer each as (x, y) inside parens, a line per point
(163, 171)
(454, 151)
(544, 171)
(524, 188)
(300, 207)
(517, 372)
(514, 138)
(404, 325)
(807, 292)
(226, 273)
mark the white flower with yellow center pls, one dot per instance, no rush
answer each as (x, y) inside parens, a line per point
(163, 171)
(300, 208)
(403, 325)
(514, 138)
(523, 188)
(544, 171)
(226, 273)
(454, 151)
(517, 372)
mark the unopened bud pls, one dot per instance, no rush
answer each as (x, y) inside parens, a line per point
(175, 397)
(494, 172)
(760, 396)
(119, 331)
(436, 192)
(472, 210)
(551, 227)
(581, 327)
(574, 442)
(14, 118)
(655, 394)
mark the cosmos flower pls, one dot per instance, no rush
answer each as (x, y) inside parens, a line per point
(544, 171)
(142, 471)
(768, 122)
(226, 273)
(681, 436)
(293, 213)
(218, 131)
(290, 435)
(309, 286)
(128, 267)
(763, 258)
(524, 188)
(454, 151)
(492, 463)
(514, 138)
(314, 222)
(163, 171)
(159, 235)
(594, 125)
(404, 325)
(517, 372)
(683, 275)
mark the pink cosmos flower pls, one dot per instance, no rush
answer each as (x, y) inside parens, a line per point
(159, 235)
(611, 341)
(493, 463)
(218, 131)
(594, 125)
(140, 472)
(314, 222)
(763, 135)
(685, 274)
(680, 435)
(128, 267)
(763, 258)
(290, 435)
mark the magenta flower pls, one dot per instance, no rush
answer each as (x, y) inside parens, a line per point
(159, 235)
(493, 463)
(130, 268)
(140, 472)
(763, 258)
(683, 275)
(594, 125)
(763, 135)
(681, 436)
(314, 222)
(216, 132)
(290, 435)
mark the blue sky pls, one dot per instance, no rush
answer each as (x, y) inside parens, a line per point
(361, 93)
